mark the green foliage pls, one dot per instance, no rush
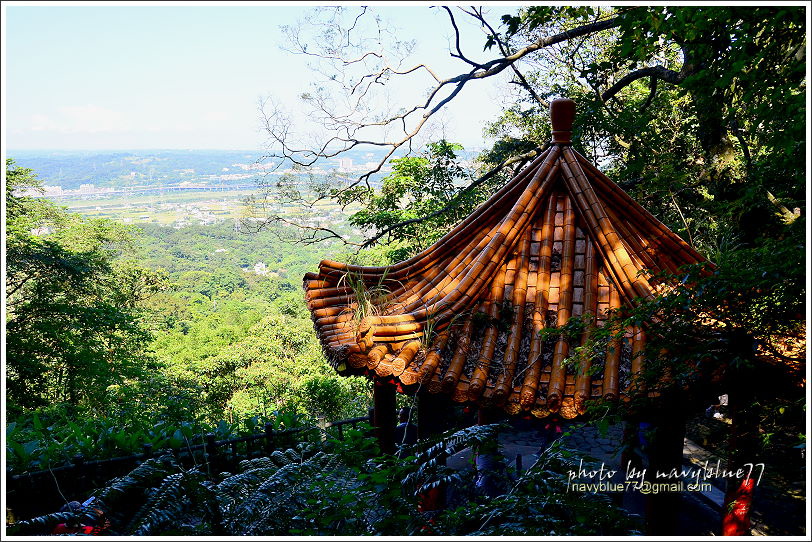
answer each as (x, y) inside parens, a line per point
(118, 337)
(539, 503)
(344, 489)
(715, 154)
(418, 187)
(72, 325)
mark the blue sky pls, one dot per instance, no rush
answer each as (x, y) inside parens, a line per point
(185, 76)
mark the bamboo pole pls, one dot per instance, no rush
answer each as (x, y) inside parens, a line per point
(510, 240)
(433, 357)
(636, 243)
(405, 357)
(640, 285)
(483, 265)
(331, 291)
(452, 374)
(612, 191)
(493, 309)
(602, 245)
(448, 241)
(533, 373)
(555, 391)
(376, 354)
(583, 379)
(638, 349)
(503, 240)
(610, 369)
(619, 262)
(504, 384)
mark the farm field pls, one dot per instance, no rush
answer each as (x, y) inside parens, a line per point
(182, 208)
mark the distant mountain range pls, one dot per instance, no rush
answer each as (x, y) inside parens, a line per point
(71, 169)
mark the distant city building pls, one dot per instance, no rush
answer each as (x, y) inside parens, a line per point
(260, 268)
(52, 190)
(86, 188)
(345, 164)
(255, 166)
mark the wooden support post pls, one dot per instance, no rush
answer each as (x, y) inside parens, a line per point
(383, 397)
(79, 472)
(483, 416)
(322, 423)
(665, 446)
(211, 451)
(630, 445)
(432, 415)
(270, 438)
(146, 452)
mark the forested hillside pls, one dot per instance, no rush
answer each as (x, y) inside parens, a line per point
(119, 335)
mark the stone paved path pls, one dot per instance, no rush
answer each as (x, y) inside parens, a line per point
(700, 511)
(778, 509)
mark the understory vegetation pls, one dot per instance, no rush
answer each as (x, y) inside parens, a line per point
(346, 487)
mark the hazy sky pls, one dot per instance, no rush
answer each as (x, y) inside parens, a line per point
(186, 76)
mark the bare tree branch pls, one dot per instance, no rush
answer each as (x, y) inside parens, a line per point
(349, 103)
(313, 237)
(457, 41)
(346, 129)
(503, 48)
(519, 159)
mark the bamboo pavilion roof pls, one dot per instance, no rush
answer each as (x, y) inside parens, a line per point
(463, 317)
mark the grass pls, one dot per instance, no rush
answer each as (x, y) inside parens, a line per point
(368, 299)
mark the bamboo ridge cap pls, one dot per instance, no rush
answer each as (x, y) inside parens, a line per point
(562, 114)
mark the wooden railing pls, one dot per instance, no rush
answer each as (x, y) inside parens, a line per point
(38, 492)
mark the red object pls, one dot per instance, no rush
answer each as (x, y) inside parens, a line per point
(430, 500)
(736, 521)
(64, 529)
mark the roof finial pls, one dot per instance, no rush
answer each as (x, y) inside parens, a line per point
(562, 113)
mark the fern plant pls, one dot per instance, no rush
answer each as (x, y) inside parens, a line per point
(343, 488)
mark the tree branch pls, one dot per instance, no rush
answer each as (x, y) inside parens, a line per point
(457, 41)
(522, 81)
(652, 92)
(478, 182)
(346, 127)
(655, 72)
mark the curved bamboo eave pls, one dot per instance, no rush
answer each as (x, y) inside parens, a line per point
(560, 240)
